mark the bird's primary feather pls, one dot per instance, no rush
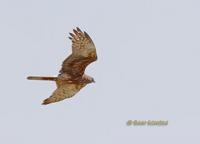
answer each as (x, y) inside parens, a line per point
(63, 92)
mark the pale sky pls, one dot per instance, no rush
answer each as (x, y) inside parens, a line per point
(147, 69)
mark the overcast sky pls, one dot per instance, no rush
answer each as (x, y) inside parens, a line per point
(147, 69)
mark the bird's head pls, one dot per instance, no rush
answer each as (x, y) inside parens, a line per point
(87, 79)
(92, 80)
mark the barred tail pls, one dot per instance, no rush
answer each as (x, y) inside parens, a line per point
(42, 78)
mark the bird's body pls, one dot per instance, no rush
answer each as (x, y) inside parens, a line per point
(71, 77)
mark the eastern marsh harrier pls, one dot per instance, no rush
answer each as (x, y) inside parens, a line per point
(71, 77)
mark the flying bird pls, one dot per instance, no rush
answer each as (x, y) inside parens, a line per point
(72, 78)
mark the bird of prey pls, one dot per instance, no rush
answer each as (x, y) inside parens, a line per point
(71, 77)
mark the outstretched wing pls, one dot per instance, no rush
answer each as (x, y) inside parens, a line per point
(83, 53)
(63, 92)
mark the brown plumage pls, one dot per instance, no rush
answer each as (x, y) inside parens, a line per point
(71, 78)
